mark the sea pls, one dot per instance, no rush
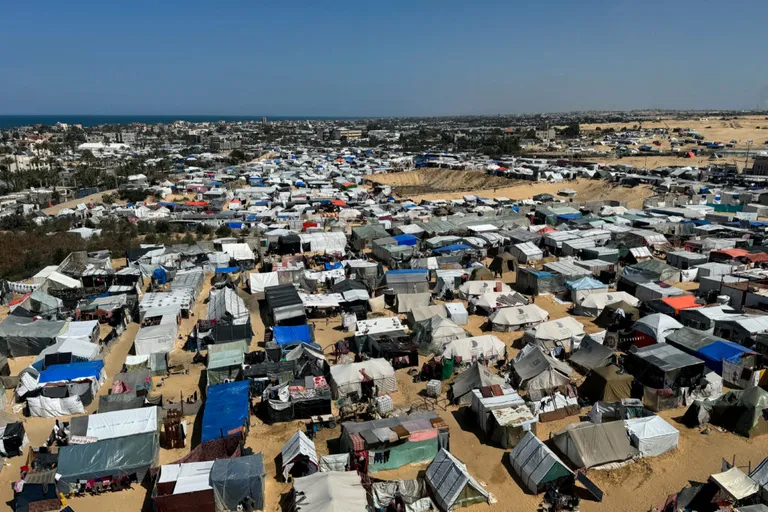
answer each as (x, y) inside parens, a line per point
(96, 120)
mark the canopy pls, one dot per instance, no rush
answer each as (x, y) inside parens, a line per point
(22, 336)
(737, 484)
(451, 483)
(226, 410)
(331, 491)
(536, 464)
(594, 444)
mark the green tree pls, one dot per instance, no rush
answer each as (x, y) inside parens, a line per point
(224, 231)
(572, 131)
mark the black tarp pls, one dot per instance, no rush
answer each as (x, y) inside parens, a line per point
(120, 402)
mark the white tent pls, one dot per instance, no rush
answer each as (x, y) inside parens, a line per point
(298, 444)
(566, 332)
(594, 303)
(58, 280)
(457, 312)
(330, 491)
(258, 281)
(238, 252)
(652, 436)
(87, 331)
(477, 288)
(657, 325)
(488, 347)
(348, 378)
(155, 338)
(225, 303)
(109, 425)
(84, 350)
(330, 241)
(517, 317)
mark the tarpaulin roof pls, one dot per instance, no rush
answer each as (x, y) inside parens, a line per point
(331, 491)
(298, 444)
(718, 351)
(681, 302)
(286, 335)
(72, 371)
(594, 444)
(535, 463)
(406, 239)
(591, 355)
(448, 477)
(735, 483)
(585, 283)
(110, 457)
(226, 410)
(453, 247)
(235, 479)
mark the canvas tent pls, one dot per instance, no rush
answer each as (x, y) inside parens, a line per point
(539, 373)
(350, 378)
(299, 456)
(652, 435)
(238, 480)
(537, 466)
(517, 317)
(657, 326)
(475, 377)
(451, 484)
(434, 334)
(226, 305)
(486, 347)
(66, 351)
(609, 315)
(594, 303)
(606, 384)
(331, 491)
(588, 445)
(564, 333)
(740, 411)
(119, 456)
(591, 355)
(155, 339)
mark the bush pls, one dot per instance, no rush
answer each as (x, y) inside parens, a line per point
(224, 231)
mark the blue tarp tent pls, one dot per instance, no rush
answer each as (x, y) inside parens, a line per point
(715, 353)
(292, 334)
(452, 248)
(227, 409)
(227, 270)
(406, 239)
(72, 371)
(235, 225)
(334, 265)
(569, 216)
(408, 271)
(160, 276)
(585, 283)
(167, 204)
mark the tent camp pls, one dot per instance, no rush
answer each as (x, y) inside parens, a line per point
(539, 373)
(517, 317)
(606, 384)
(475, 377)
(299, 456)
(331, 491)
(451, 484)
(224, 365)
(588, 445)
(376, 374)
(154, 339)
(110, 425)
(486, 347)
(594, 303)
(591, 355)
(538, 466)
(434, 334)
(226, 306)
(652, 435)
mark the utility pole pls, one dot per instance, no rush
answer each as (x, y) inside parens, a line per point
(746, 161)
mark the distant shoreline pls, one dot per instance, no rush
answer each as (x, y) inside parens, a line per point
(7, 121)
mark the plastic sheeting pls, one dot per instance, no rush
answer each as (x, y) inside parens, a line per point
(43, 407)
(517, 317)
(536, 464)
(226, 304)
(448, 477)
(237, 480)
(337, 462)
(652, 436)
(588, 444)
(227, 410)
(156, 339)
(487, 347)
(81, 351)
(20, 336)
(330, 491)
(111, 457)
(87, 331)
(298, 444)
(74, 371)
(114, 424)
(347, 378)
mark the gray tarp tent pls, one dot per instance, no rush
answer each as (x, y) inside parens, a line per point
(21, 336)
(594, 444)
(591, 355)
(537, 465)
(109, 457)
(237, 480)
(451, 483)
(476, 376)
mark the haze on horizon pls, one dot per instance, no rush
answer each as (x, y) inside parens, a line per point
(386, 59)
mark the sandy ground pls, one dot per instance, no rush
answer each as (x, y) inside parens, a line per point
(586, 190)
(94, 198)
(633, 488)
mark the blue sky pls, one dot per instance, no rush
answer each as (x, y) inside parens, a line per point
(394, 58)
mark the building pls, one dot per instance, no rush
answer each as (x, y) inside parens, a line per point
(346, 134)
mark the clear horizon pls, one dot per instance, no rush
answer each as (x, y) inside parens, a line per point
(400, 59)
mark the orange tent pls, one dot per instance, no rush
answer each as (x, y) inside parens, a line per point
(681, 302)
